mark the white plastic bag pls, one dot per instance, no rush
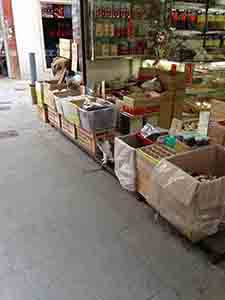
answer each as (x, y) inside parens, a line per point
(125, 164)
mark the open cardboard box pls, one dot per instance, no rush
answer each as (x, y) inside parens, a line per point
(50, 86)
(63, 95)
(140, 100)
(147, 158)
(53, 85)
(71, 109)
(196, 209)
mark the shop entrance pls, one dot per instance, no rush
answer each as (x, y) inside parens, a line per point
(57, 23)
(9, 64)
(3, 61)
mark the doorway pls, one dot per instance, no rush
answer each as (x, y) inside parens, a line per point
(9, 64)
(3, 59)
(57, 23)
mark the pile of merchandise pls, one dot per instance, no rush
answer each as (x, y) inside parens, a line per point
(122, 28)
(163, 139)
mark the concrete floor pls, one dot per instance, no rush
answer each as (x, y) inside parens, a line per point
(69, 232)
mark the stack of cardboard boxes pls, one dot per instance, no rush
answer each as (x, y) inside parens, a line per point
(171, 106)
(49, 99)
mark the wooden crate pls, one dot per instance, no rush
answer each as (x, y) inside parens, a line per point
(88, 140)
(141, 102)
(54, 118)
(42, 113)
(69, 129)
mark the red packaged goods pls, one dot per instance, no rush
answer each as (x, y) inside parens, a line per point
(58, 11)
(116, 10)
(108, 9)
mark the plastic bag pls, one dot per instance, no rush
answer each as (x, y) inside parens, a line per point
(125, 165)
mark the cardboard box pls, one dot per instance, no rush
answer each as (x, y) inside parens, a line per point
(217, 111)
(64, 95)
(129, 123)
(71, 109)
(65, 48)
(65, 44)
(42, 113)
(166, 111)
(49, 87)
(147, 159)
(178, 109)
(54, 118)
(50, 100)
(179, 98)
(171, 106)
(216, 133)
(65, 53)
(89, 140)
(69, 129)
(196, 208)
(39, 85)
(135, 101)
(53, 85)
(145, 167)
(55, 99)
(172, 82)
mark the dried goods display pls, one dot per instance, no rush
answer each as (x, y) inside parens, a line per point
(202, 24)
(125, 28)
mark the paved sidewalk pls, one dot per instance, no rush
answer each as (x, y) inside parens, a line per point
(69, 233)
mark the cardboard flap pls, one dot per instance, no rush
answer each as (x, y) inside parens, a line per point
(175, 182)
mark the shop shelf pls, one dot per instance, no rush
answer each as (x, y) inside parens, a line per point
(122, 57)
